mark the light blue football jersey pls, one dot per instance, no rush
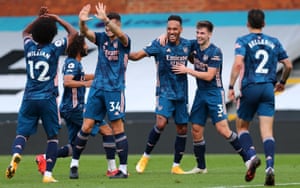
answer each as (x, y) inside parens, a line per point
(41, 68)
(261, 55)
(73, 97)
(112, 63)
(170, 85)
(210, 57)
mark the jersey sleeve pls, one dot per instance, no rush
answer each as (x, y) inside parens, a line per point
(153, 48)
(239, 47)
(60, 45)
(216, 58)
(281, 52)
(70, 68)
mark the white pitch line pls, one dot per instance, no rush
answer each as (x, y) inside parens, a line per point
(260, 185)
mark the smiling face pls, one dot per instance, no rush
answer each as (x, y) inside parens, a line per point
(203, 36)
(174, 30)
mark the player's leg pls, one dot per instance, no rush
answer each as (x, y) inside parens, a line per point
(198, 118)
(249, 102)
(223, 129)
(79, 145)
(266, 111)
(49, 117)
(266, 129)
(162, 114)
(199, 148)
(27, 124)
(121, 147)
(109, 146)
(115, 103)
(181, 118)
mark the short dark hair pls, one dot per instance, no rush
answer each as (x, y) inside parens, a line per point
(206, 24)
(44, 30)
(256, 18)
(114, 15)
(76, 46)
(175, 18)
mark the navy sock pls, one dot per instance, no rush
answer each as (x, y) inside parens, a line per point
(51, 154)
(64, 151)
(199, 152)
(269, 148)
(247, 143)
(109, 146)
(179, 147)
(122, 147)
(152, 139)
(234, 141)
(79, 144)
(19, 144)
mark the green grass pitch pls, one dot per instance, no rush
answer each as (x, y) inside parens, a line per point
(224, 170)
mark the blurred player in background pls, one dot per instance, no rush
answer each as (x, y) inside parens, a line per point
(72, 107)
(171, 91)
(256, 58)
(41, 91)
(106, 95)
(209, 100)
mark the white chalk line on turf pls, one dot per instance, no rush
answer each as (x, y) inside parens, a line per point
(260, 185)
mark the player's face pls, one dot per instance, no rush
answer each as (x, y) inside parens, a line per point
(203, 36)
(174, 30)
(108, 31)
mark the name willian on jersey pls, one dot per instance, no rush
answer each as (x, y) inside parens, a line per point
(38, 53)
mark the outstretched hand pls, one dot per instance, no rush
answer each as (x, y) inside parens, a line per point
(101, 11)
(84, 13)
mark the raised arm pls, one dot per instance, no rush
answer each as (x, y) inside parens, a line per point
(27, 31)
(83, 17)
(68, 27)
(113, 26)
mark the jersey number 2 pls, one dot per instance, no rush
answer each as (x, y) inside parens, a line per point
(265, 57)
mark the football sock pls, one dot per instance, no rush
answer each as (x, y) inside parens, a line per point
(199, 152)
(79, 144)
(51, 154)
(234, 141)
(179, 147)
(247, 143)
(64, 151)
(19, 144)
(269, 148)
(152, 139)
(122, 147)
(109, 146)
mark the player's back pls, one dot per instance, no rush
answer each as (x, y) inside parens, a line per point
(261, 55)
(41, 68)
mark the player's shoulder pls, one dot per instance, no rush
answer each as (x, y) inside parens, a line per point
(71, 62)
(270, 38)
(185, 41)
